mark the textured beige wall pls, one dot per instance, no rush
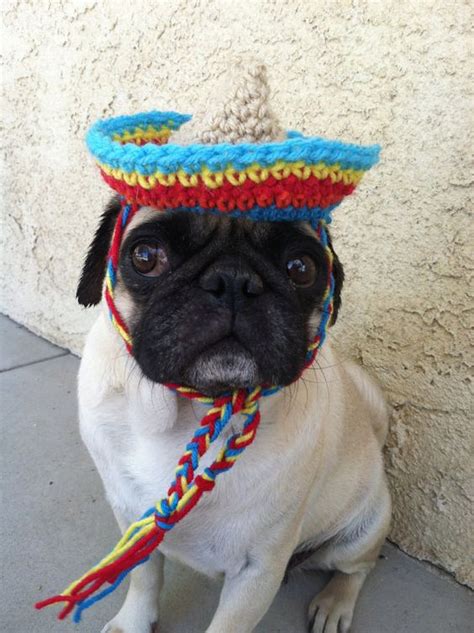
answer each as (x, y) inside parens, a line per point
(392, 72)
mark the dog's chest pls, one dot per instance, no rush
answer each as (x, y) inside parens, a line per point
(137, 465)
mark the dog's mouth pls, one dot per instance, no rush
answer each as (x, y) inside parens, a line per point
(225, 365)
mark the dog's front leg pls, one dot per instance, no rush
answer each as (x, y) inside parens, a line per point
(139, 612)
(246, 596)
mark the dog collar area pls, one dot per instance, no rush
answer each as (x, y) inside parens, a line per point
(299, 178)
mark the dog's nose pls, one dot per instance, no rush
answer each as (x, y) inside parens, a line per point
(230, 283)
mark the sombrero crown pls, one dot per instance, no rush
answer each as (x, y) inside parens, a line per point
(244, 165)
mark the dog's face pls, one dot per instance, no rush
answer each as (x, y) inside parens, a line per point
(212, 302)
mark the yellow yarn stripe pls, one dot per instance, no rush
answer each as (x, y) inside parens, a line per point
(203, 399)
(123, 333)
(330, 258)
(256, 173)
(142, 134)
(118, 550)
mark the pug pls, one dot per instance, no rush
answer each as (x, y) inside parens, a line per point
(221, 303)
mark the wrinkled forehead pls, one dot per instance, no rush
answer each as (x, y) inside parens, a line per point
(198, 227)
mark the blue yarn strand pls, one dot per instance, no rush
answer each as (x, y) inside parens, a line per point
(149, 158)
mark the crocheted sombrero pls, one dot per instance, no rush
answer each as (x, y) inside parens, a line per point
(245, 166)
(295, 178)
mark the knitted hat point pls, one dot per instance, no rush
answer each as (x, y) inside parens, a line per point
(246, 116)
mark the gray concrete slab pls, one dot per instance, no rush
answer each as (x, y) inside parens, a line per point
(20, 347)
(55, 524)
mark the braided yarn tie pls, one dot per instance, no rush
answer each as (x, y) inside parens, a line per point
(187, 487)
(143, 536)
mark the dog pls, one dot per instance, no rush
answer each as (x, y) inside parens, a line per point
(220, 303)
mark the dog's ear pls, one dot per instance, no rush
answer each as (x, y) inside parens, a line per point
(89, 290)
(338, 272)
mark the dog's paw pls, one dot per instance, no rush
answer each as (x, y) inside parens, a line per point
(331, 612)
(117, 625)
(329, 616)
(332, 609)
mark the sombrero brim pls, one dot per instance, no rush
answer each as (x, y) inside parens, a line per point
(298, 178)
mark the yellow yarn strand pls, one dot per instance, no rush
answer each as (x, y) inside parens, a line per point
(257, 174)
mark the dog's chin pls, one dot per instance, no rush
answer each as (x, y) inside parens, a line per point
(223, 367)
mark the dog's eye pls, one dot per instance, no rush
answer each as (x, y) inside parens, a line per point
(301, 271)
(149, 259)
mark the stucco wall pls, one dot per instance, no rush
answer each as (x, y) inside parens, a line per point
(392, 72)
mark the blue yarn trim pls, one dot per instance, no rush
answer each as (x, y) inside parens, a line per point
(119, 124)
(149, 158)
(271, 213)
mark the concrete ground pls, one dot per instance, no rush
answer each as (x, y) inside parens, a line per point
(55, 524)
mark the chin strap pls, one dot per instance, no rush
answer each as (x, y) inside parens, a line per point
(187, 487)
